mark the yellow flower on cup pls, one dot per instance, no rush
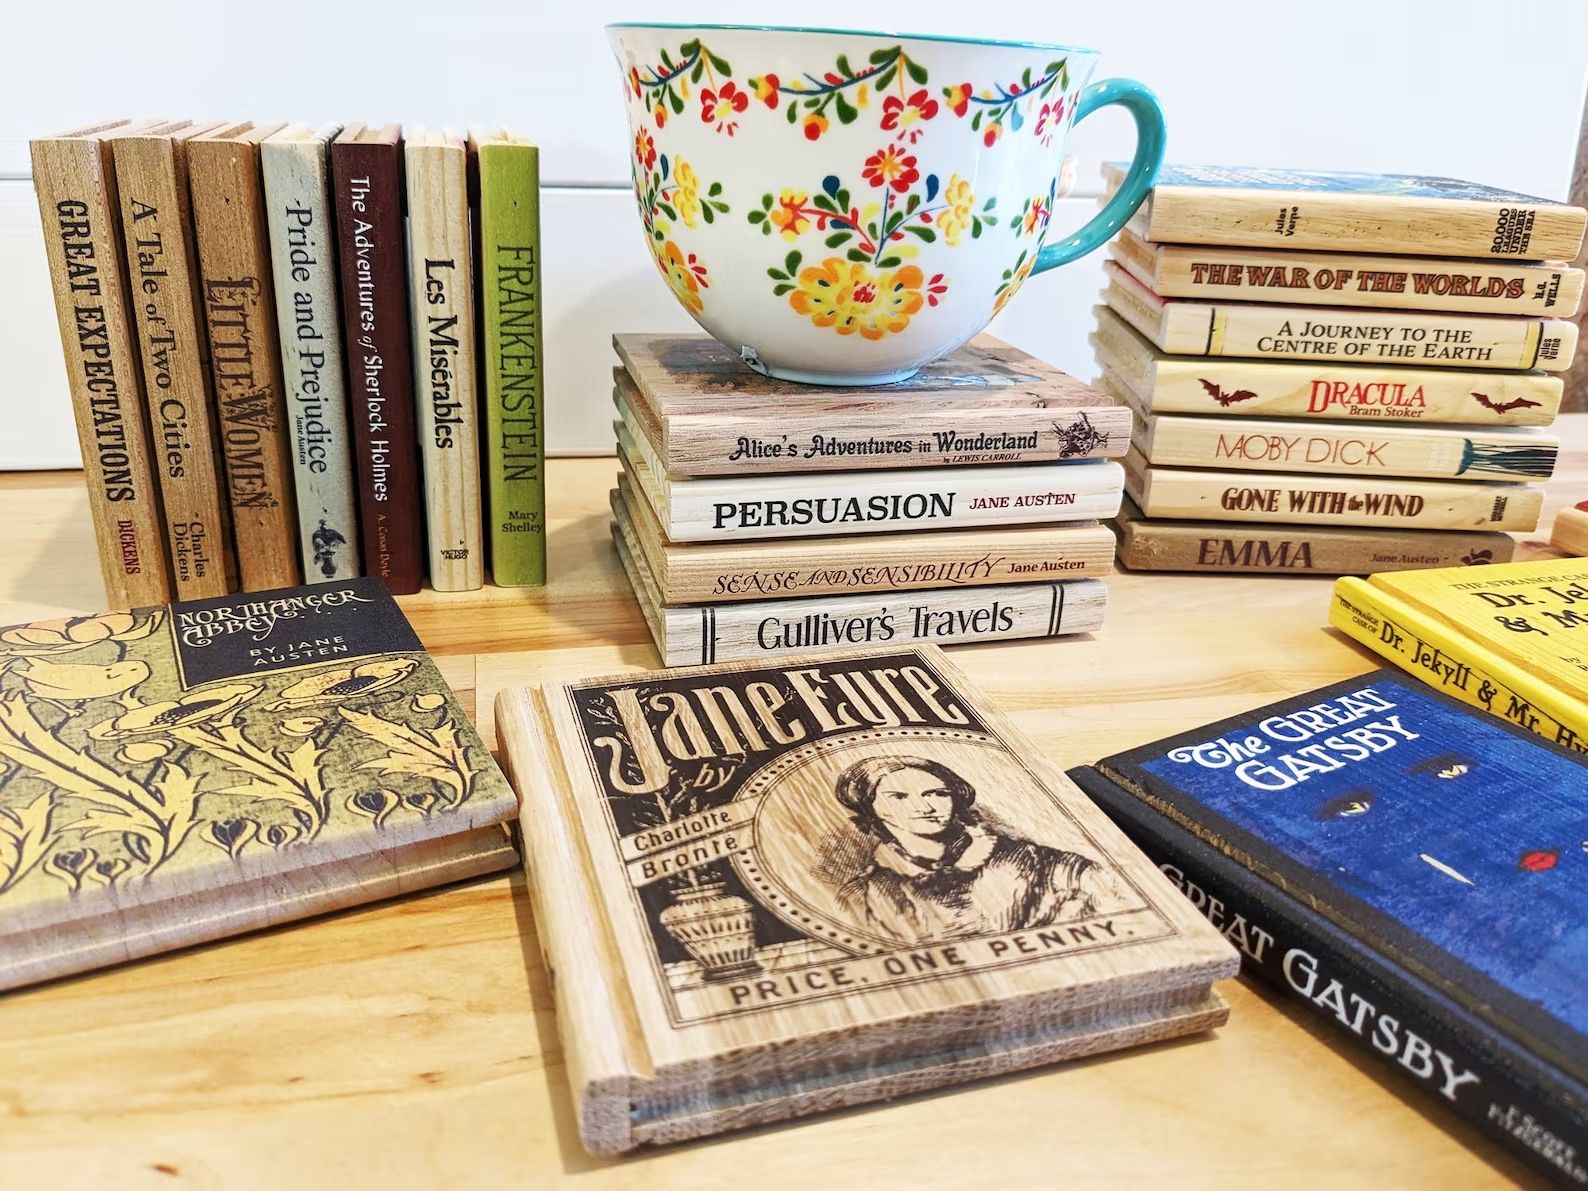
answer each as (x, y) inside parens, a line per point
(959, 200)
(193, 707)
(686, 276)
(77, 632)
(686, 193)
(789, 215)
(344, 682)
(66, 682)
(852, 298)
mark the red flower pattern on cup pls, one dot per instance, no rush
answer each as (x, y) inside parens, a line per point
(901, 113)
(890, 166)
(1001, 104)
(645, 149)
(721, 105)
(765, 87)
(1049, 119)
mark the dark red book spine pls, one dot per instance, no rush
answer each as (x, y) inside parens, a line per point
(367, 189)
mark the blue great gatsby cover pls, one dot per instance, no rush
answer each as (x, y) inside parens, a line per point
(1451, 841)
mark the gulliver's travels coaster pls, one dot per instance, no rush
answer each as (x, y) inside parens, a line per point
(767, 890)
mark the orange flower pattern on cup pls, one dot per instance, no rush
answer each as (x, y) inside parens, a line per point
(872, 289)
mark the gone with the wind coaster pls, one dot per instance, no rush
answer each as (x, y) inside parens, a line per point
(768, 890)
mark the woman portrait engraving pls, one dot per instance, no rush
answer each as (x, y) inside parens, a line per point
(938, 869)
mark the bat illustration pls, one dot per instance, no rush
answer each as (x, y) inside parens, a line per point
(1502, 407)
(1224, 398)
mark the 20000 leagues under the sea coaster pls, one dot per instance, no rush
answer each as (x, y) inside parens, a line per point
(768, 890)
(174, 775)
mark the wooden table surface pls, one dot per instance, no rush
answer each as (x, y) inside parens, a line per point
(414, 1042)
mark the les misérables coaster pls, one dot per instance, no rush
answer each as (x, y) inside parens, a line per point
(765, 890)
(174, 775)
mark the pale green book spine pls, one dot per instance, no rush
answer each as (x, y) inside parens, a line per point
(511, 360)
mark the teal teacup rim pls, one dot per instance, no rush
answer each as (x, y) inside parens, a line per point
(944, 38)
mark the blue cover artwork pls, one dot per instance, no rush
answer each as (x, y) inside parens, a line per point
(1406, 185)
(1468, 834)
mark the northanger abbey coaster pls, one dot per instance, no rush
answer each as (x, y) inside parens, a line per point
(767, 890)
(174, 775)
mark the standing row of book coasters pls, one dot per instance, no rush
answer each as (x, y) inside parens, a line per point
(757, 517)
(277, 376)
(1335, 373)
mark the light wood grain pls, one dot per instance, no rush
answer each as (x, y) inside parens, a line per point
(441, 297)
(74, 174)
(162, 270)
(692, 573)
(691, 636)
(1570, 531)
(308, 319)
(875, 502)
(1350, 279)
(804, 1024)
(1510, 454)
(1208, 495)
(244, 353)
(1259, 330)
(1297, 388)
(707, 414)
(424, 1028)
(1304, 217)
(1160, 544)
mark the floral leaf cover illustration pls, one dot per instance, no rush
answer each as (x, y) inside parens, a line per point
(113, 771)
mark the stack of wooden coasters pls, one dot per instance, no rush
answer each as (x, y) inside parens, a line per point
(1307, 402)
(757, 517)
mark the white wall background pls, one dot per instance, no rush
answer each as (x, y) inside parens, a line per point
(1469, 88)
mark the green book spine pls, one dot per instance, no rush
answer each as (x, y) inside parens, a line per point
(508, 222)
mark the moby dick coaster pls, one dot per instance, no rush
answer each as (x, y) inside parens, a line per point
(765, 890)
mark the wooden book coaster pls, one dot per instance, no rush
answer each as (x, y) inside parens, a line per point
(768, 889)
(175, 775)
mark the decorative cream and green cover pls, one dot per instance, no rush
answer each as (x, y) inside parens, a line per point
(168, 755)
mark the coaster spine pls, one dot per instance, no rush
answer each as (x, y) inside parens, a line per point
(308, 320)
(1359, 221)
(871, 502)
(162, 269)
(1454, 663)
(719, 632)
(1548, 288)
(245, 364)
(1321, 389)
(74, 178)
(1329, 500)
(1257, 330)
(505, 176)
(1340, 448)
(734, 571)
(441, 282)
(1247, 549)
(367, 196)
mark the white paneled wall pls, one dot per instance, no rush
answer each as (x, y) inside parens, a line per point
(1414, 86)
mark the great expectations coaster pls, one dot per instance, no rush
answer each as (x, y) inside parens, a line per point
(175, 775)
(768, 890)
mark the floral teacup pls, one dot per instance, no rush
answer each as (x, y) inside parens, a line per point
(841, 208)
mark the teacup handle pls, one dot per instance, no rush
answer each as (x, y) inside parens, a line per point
(1142, 104)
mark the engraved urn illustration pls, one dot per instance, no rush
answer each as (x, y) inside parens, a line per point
(716, 928)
